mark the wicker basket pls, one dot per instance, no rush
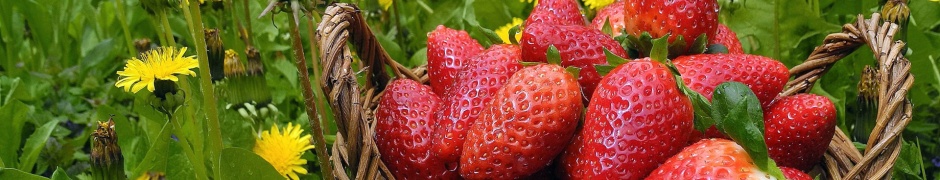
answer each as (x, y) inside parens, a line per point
(355, 156)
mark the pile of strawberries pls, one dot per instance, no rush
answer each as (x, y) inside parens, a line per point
(486, 115)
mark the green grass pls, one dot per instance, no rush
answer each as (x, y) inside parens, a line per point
(58, 60)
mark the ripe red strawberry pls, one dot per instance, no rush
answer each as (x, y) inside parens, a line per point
(483, 76)
(794, 174)
(579, 46)
(448, 52)
(403, 131)
(725, 36)
(798, 129)
(688, 18)
(529, 121)
(703, 72)
(637, 119)
(612, 13)
(710, 159)
(557, 12)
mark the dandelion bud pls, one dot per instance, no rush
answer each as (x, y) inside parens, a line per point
(233, 66)
(867, 100)
(255, 67)
(216, 54)
(162, 88)
(896, 11)
(106, 159)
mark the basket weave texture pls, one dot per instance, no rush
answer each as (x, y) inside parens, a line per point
(354, 155)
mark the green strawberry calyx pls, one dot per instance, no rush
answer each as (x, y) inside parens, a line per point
(643, 45)
(716, 49)
(512, 34)
(613, 60)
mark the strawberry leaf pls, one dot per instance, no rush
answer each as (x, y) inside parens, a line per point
(702, 108)
(716, 49)
(607, 29)
(613, 59)
(659, 51)
(698, 46)
(677, 47)
(624, 40)
(603, 69)
(552, 55)
(527, 64)
(641, 44)
(490, 35)
(738, 114)
(512, 34)
(574, 71)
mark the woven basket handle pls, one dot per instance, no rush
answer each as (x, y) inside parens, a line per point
(354, 150)
(842, 160)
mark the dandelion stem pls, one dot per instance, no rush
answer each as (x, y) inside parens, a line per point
(167, 30)
(177, 129)
(325, 169)
(122, 17)
(247, 23)
(208, 92)
(315, 56)
(188, 109)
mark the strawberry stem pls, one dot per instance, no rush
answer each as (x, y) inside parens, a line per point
(552, 55)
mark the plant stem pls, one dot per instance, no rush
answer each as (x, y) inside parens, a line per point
(168, 32)
(119, 5)
(208, 92)
(325, 169)
(229, 6)
(176, 128)
(315, 57)
(247, 22)
(188, 109)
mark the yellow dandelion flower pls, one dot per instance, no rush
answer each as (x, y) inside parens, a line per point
(283, 150)
(503, 31)
(157, 64)
(150, 175)
(385, 4)
(597, 4)
(530, 1)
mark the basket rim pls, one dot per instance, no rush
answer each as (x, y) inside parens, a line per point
(842, 161)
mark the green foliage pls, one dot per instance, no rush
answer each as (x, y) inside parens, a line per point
(10, 173)
(243, 164)
(58, 60)
(737, 112)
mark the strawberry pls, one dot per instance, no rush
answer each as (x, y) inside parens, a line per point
(686, 18)
(579, 46)
(726, 37)
(448, 52)
(795, 174)
(403, 131)
(529, 121)
(612, 13)
(557, 12)
(710, 159)
(798, 130)
(485, 74)
(703, 72)
(637, 119)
